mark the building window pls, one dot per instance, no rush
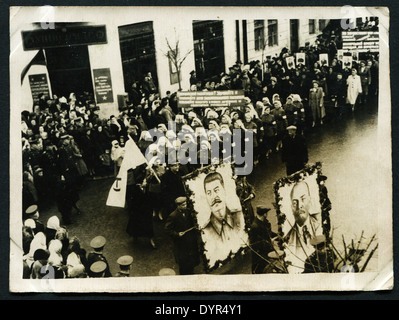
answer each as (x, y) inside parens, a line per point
(259, 29)
(137, 46)
(312, 26)
(322, 24)
(208, 49)
(272, 30)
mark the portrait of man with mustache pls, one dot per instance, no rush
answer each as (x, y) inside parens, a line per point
(225, 231)
(306, 226)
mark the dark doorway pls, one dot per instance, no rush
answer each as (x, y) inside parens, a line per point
(208, 49)
(138, 52)
(69, 70)
(294, 31)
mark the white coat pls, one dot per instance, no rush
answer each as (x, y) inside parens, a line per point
(354, 88)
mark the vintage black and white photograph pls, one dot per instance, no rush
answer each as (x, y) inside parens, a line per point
(200, 149)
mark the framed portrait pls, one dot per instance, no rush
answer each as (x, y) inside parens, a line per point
(347, 62)
(290, 62)
(300, 216)
(300, 58)
(355, 55)
(323, 59)
(218, 213)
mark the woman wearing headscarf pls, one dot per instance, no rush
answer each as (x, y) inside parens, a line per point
(73, 262)
(75, 248)
(62, 235)
(154, 173)
(56, 260)
(53, 224)
(145, 141)
(299, 113)
(204, 155)
(188, 152)
(252, 127)
(38, 242)
(281, 123)
(238, 135)
(269, 127)
(216, 145)
(316, 103)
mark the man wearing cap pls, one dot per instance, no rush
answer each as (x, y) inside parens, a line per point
(171, 188)
(322, 260)
(32, 212)
(98, 269)
(98, 244)
(276, 263)
(180, 226)
(124, 263)
(295, 151)
(260, 238)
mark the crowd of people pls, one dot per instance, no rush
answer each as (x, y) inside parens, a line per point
(65, 141)
(49, 250)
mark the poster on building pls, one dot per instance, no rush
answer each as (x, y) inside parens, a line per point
(300, 58)
(205, 99)
(103, 85)
(38, 86)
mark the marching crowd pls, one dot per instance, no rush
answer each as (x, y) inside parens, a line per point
(65, 142)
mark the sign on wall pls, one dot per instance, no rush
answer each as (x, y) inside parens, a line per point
(220, 98)
(103, 85)
(362, 41)
(63, 36)
(38, 85)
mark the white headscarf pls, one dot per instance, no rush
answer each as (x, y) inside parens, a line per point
(55, 246)
(74, 265)
(30, 223)
(73, 260)
(53, 223)
(38, 242)
(252, 111)
(55, 259)
(76, 271)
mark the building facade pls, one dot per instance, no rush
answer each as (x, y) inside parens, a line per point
(104, 56)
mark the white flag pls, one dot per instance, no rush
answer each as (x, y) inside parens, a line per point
(133, 158)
